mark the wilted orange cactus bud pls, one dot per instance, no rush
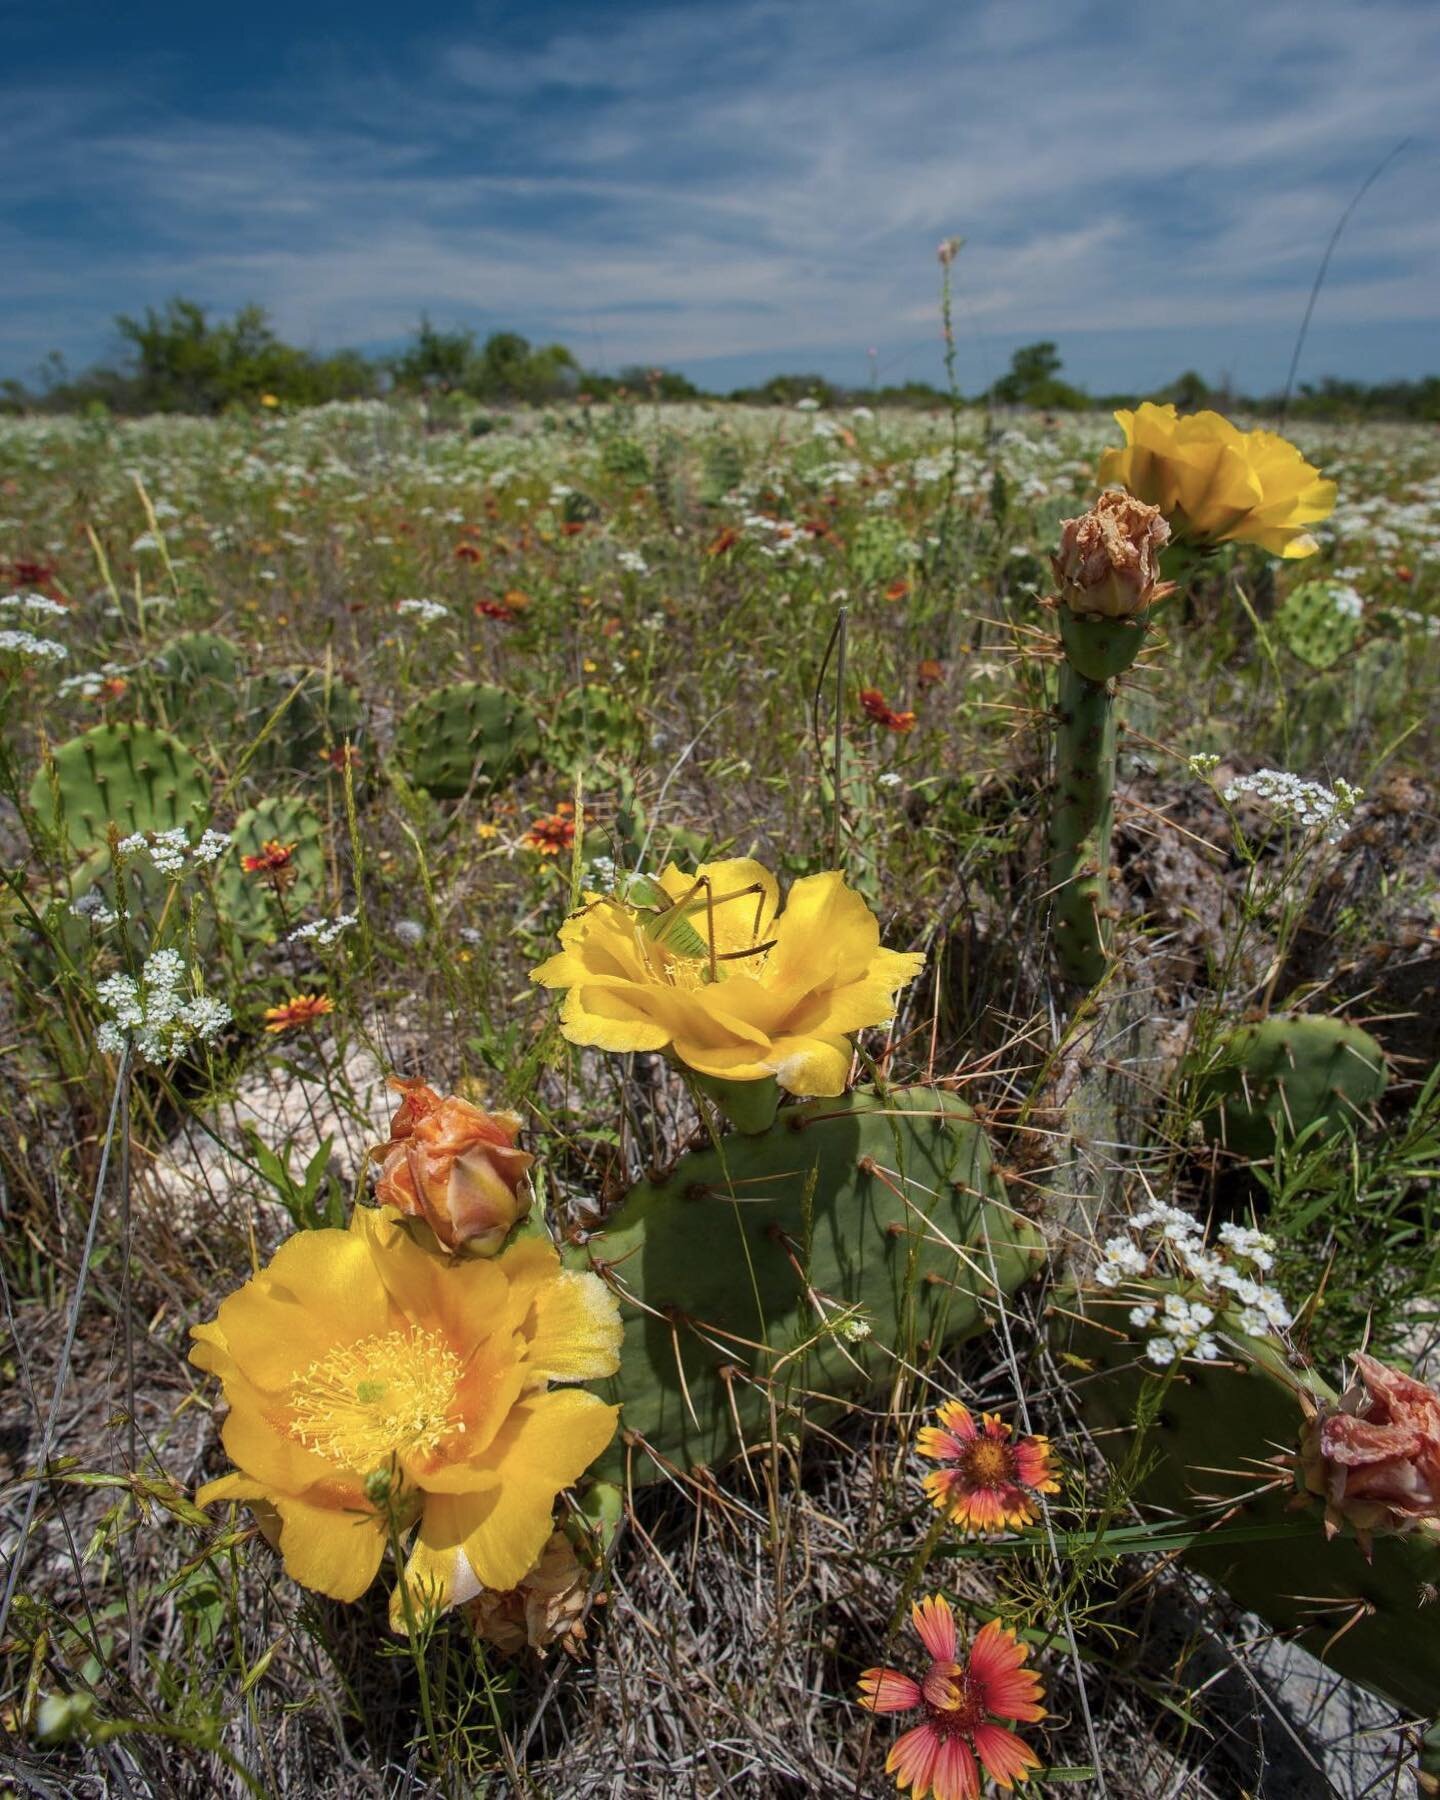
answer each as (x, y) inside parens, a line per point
(1375, 1458)
(455, 1167)
(547, 1608)
(1109, 561)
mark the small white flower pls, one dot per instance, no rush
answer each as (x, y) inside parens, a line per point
(36, 605)
(429, 612)
(25, 643)
(889, 779)
(1160, 1350)
(324, 932)
(212, 846)
(410, 932)
(1141, 1316)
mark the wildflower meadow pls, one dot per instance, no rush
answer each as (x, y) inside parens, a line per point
(714, 1099)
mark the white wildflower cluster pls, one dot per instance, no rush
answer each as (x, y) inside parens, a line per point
(25, 643)
(91, 684)
(323, 932)
(600, 875)
(889, 779)
(1168, 1243)
(35, 605)
(779, 537)
(429, 612)
(95, 909)
(633, 561)
(1203, 764)
(156, 1012)
(1296, 802)
(168, 850)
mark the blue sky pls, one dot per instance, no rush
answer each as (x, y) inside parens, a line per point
(736, 189)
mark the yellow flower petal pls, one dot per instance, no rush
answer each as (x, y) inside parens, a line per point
(1216, 483)
(780, 998)
(334, 1553)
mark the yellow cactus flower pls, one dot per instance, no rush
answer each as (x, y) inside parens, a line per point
(709, 967)
(1215, 483)
(359, 1365)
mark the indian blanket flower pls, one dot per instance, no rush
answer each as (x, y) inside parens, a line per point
(1216, 483)
(273, 858)
(962, 1702)
(555, 832)
(304, 1009)
(1109, 561)
(375, 1385)
(455, 1167)
(1374, 1458)
(873, 704)
(985, 1482)
(709, 967)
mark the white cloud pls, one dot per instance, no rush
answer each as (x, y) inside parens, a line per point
(765, 177)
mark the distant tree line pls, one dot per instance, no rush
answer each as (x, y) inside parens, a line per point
(180, 359)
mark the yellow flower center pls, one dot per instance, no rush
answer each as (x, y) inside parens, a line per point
(390, 1395)
(988, 1463)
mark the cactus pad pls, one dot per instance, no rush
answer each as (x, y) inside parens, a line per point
(1314, 624)
(129, 776)
(247, 899)
(320, 712)
(468, 734)
(1273, 1080)
(809, 1262)
(1207, 1449)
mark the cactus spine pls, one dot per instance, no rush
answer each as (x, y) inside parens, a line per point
(810, 1262)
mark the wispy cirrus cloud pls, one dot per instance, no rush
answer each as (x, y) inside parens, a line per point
(715, 187)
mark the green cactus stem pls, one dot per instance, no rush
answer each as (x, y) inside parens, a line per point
(1082, 816)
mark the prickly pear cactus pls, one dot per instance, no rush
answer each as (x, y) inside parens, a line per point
(1204, 1457)
(1265, 1082)
(193, 669)
(589, 720)
(320, 712)
(854, 1238)
(129, 776)
(1313, 622)
(466, 735)
(248, 900)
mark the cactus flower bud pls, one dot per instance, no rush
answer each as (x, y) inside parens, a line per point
(1109, 561)
(455, 1167)
(1374, 1458)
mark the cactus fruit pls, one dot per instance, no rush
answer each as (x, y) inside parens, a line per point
(1273, 1080)
(248, 899)
(1314, 623)
(466, 735)
(822, 1258)
(1208, 1449)
(128, 776)
(320, 712)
